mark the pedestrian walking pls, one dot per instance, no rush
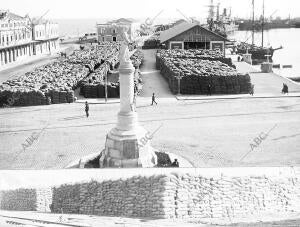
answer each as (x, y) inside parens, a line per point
(87, 108)
(153, 99)
(208, 89)
(285, 89)
(252, 90)
(175, 163)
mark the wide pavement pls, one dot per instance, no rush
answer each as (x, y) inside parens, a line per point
(208, 133)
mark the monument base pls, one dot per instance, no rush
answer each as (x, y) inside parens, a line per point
(127, 149)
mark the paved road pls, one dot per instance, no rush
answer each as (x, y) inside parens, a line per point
(152, 79)
(29, 218)
(208, 133)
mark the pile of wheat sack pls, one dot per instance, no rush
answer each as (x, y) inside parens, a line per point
(133, 197)
(93, 86)
(26, 199)
(211, 55)
(200, 69)
(54, 82)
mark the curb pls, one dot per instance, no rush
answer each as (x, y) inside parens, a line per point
(82, 102)
(79, 163)
(245, 97)
(82, 161)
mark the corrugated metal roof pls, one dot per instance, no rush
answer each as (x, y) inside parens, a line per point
(180, 28)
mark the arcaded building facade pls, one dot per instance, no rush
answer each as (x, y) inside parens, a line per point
(21, 38)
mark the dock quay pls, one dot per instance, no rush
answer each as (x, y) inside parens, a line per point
(266, 83)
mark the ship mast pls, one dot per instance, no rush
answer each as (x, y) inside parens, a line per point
(262, 24)
(253, 22)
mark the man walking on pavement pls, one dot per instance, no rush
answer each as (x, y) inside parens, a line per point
(153, 99)
(208, 89)
(87, 108)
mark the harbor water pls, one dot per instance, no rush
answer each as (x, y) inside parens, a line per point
(288, 38)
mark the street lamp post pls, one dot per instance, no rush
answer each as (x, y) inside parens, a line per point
(105, 87)
(179, 77)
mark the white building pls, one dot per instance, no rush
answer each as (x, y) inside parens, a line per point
(15, 37)
(112, 30)
(45, 33)
(21, 38)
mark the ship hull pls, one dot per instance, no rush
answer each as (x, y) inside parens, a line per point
(248, 25)
(258, 55)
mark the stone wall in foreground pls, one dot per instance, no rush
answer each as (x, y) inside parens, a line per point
(175, 193)
(198, 196)
(26, 199)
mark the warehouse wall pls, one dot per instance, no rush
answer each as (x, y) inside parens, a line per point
(169, 193)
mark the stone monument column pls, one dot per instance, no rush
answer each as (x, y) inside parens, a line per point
(124, 146)
(127, 118)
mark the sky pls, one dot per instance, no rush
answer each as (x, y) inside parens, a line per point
(63, 9)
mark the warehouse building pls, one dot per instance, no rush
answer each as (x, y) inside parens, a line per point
(192, 36)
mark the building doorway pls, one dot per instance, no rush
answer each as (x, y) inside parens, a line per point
(114, 38)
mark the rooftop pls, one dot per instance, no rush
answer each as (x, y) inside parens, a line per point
(122, 21)
(6, 14)
(180, 28)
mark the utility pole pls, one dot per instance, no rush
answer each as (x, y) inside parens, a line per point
(178, 83)
(106, 87)
(262, 25)
(253, 22)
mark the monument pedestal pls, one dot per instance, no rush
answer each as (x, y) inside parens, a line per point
(127, 145)
(123, 149)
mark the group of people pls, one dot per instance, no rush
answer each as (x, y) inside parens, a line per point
(87, 107)
(239, 58)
